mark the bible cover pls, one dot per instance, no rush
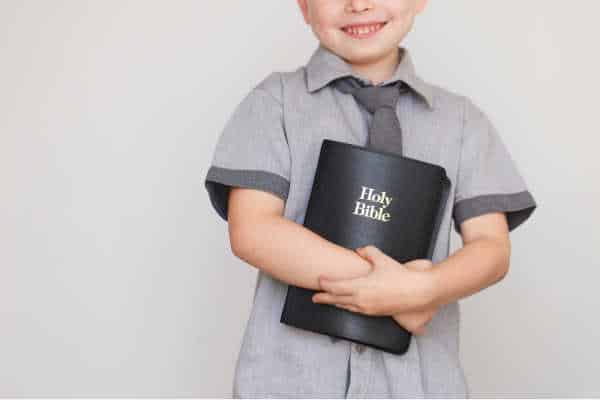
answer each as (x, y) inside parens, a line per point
(359, 197)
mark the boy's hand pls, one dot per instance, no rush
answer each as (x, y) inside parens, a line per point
(415, 321)
(391, 288)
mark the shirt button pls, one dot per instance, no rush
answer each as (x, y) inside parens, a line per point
(359, 347)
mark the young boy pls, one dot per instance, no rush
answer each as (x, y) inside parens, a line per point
(260, 181)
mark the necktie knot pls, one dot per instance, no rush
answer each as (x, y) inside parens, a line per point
(369, 96)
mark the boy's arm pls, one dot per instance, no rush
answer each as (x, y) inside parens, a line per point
(481, 262)
(284, 249)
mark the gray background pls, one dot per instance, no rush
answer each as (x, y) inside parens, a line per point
(116, 276)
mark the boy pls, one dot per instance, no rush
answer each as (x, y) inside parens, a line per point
(260, 181)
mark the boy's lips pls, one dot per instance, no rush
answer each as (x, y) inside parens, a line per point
(362, 31)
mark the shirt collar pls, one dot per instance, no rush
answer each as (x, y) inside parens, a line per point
(324, 66)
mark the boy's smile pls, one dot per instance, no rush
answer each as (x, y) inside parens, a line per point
(365, 33)
(361, 31)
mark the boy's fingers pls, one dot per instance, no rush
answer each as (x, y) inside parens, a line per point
(370, 253)
(348, 307)
(361, 252)
(333, 299)
(375, 256)
(341, 287)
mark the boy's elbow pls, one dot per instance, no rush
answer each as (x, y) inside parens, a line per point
(504, 271)
(504, 251)
(239, 240)
(244, 240)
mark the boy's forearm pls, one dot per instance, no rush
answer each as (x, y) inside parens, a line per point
(294, 254)
(475, 266)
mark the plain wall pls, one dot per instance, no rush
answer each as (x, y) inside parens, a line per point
(116, 276)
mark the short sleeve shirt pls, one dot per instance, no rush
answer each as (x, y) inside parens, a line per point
(271, 142)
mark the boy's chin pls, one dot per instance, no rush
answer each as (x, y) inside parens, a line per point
(361, 53)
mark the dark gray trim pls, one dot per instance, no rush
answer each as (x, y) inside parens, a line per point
(517, 206)
(219, 181)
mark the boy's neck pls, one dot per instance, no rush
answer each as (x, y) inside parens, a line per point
(378, 70)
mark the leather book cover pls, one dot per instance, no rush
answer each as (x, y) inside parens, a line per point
(362, 196)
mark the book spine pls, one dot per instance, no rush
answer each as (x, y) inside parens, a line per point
(439, 217)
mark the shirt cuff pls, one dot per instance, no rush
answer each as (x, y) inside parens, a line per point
(518, 207)
(219, 181)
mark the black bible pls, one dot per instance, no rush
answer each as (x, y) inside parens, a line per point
(361, 196)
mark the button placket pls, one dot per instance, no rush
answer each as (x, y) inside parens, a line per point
(361, 370)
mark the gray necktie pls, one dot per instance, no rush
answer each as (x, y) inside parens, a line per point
(385, 132)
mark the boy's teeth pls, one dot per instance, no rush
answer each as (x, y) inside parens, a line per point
(361, 30)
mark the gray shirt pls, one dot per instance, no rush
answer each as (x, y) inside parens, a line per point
(271, 142)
